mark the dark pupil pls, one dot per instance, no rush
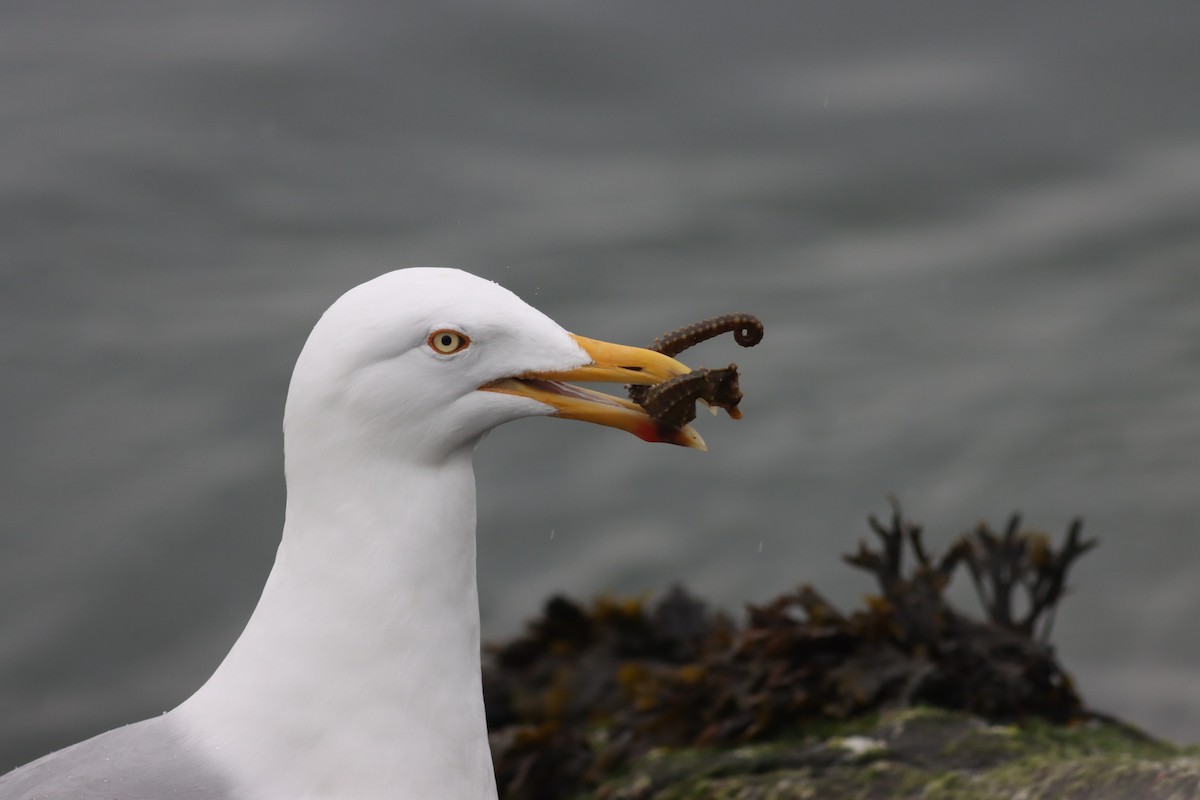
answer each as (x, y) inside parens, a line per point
(447, 341)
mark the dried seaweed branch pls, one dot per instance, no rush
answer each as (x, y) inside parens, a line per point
(995, 566)
(916, 599)
(1002, 564)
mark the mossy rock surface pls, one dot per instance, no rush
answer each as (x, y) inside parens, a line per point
(920, 753)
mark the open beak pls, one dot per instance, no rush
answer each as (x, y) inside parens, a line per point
(611, 363)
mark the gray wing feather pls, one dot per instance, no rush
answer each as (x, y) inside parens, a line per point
(147, 760)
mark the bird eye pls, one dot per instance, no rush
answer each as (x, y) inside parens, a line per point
(447, 341)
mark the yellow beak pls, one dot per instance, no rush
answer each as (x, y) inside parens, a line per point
(611, 363)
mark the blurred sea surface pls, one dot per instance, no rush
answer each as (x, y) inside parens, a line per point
(972, 231)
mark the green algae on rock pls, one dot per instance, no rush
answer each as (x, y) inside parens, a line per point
(924, 753)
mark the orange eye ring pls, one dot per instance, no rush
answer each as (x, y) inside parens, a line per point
(448, 342)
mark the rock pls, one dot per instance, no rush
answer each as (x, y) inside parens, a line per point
(925, 753)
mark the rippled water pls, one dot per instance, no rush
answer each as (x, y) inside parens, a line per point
(973, 234)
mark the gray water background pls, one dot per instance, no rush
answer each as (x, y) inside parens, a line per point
(973, 232)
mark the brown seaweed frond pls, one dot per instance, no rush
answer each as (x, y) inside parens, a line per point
(1003, 564)
(915, 599)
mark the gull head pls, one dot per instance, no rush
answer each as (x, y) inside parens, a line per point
(423, 362)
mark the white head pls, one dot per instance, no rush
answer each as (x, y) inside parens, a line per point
(425, 361)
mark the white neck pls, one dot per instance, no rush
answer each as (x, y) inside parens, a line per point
(358, 675)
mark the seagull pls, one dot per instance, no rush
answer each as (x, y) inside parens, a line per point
(358, 674)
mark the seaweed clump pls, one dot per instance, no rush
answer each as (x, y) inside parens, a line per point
(587, 689)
